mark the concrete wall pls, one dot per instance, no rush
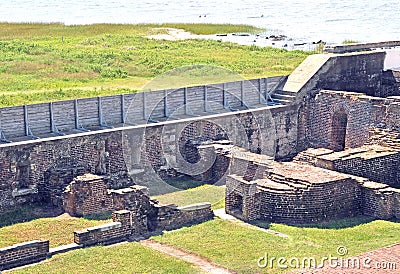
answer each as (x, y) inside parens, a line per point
(114, 152)
(65, 116)
(357, 72)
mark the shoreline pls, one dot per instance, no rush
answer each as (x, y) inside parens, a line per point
(264, 39)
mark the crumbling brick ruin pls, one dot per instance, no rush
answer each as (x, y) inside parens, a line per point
(88, 194)
(348, 144)
(319, 144)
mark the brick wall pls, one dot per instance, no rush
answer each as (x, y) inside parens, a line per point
(390, 84)
(317, 115)
(86, 195)
(375, 162)
(172, 218)
(383, 169)
(89, 113)
(329, 201)
(103, 234)
(380, 201)
(320, 202)
(23, 253)
(127, 224)
(242, 199)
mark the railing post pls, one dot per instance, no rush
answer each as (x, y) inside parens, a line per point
(52, 124)
(224, 94)
(76, 108)
(205, 99)
(26, 120)
(144, 106)
(242, 93)
(166, 111)
(266, 90)
(123, 108)
(100, 110)
(186, 100)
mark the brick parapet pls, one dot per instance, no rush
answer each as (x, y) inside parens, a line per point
(23, 253)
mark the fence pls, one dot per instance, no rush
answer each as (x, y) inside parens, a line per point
(72, 116)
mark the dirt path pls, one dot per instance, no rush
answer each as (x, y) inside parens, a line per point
(197, 260)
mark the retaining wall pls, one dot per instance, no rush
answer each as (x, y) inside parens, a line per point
(90, 113)
(23, 253)
(34, 169)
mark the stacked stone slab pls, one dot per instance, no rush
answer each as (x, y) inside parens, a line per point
(308, 190)
(294, 194)
(377, 163)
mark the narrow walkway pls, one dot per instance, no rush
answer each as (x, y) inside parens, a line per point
(194, 259)
(383, 260)
(224, 216)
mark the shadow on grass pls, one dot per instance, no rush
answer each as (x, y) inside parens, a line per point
(335, 224)
(183, 183)
(28, 213)
(341, 223)
(158, 186)
(98, 216)
(260, 223)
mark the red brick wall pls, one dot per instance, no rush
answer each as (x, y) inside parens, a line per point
(23, 253)
(363, 112)
(108, 233)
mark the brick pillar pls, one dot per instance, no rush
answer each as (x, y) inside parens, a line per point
(122, 216)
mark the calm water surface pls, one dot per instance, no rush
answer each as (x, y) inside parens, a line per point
(331, 21)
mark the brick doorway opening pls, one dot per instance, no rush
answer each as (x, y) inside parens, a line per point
(339, 127)
(237, 204)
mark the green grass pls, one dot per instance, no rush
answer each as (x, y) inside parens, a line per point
(41, 62)
(205, 193)
(58, 230)
(126, 258)
(19, 215)
(239, 248)
(214, 28)
(349, 41)
(27, 30)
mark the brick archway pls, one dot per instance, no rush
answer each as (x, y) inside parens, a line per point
(339, 129)
(57, 177)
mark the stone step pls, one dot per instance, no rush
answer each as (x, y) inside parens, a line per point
(283, 96)
(282, 102)
(285, 92)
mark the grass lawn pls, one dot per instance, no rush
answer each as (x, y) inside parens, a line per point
(126, 258)
(239, 248)
(42, 62)
(59, 231)
(205, 193)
